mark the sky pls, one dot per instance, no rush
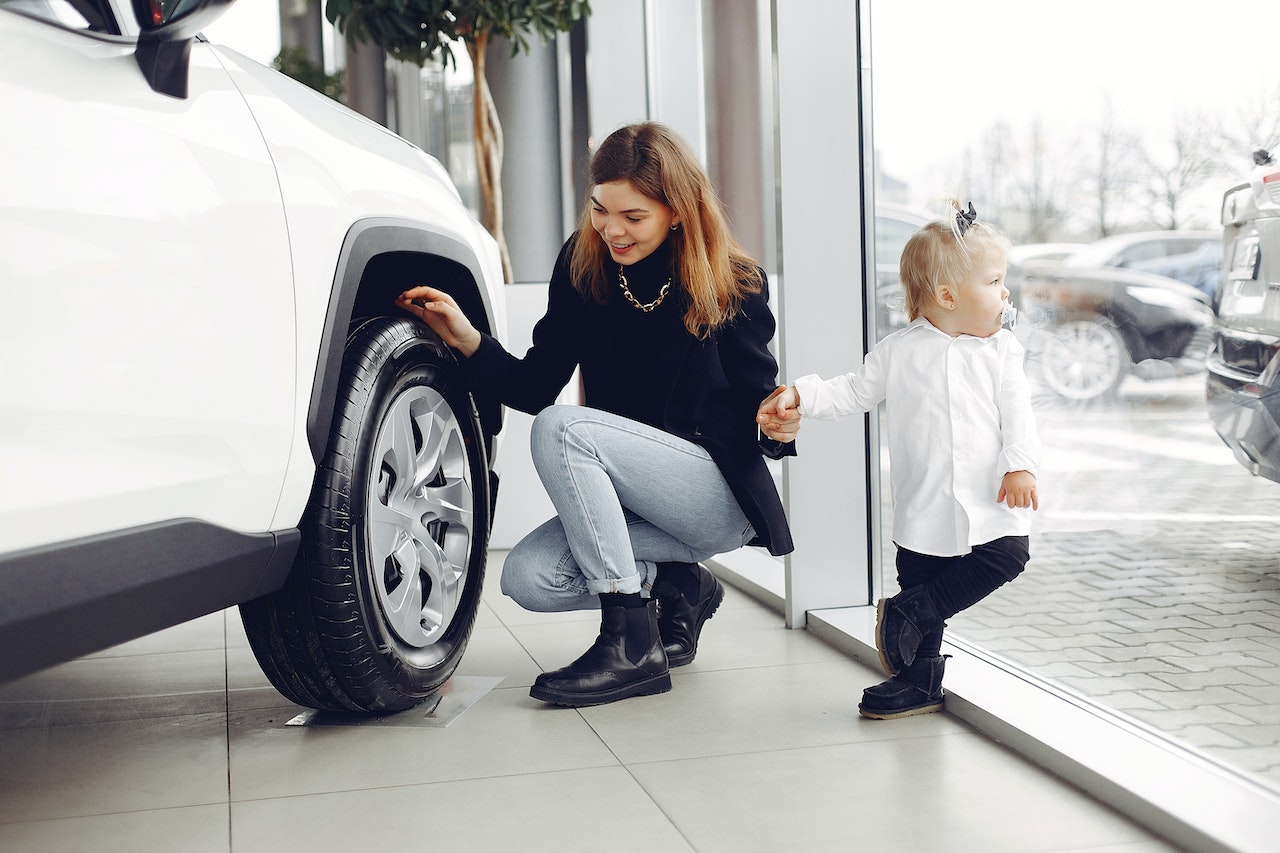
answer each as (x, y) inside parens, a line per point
(943, 71)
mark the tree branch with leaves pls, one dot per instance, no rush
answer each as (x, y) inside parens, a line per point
(418, 31)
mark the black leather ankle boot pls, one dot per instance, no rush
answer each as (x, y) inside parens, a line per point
(901, 623)
(625, 660)
(687, 597)
(915, 690)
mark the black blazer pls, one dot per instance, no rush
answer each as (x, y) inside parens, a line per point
(713, 386)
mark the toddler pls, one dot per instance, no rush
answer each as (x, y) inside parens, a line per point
(962, 442)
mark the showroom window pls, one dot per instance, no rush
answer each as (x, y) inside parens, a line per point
(1154, 584)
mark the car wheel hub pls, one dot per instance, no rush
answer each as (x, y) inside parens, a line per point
(1083, 360)
(419, 511)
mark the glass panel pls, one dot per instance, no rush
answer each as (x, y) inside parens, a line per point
(1154, 583)
(447, 128)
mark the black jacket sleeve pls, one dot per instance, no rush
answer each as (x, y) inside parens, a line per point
(532, 383)
(750, 367)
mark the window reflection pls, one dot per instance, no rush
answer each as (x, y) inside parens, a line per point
(446, 129)
(1154, 582)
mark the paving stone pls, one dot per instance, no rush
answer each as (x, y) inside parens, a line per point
(1251, 733)
(1201, 737)
(1147, 651)
(1129, 700)
(1099, 686)
(1200, 680)
(1206, 658)
(1220, 696)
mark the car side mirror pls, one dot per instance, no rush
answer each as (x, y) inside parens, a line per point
(164, 44)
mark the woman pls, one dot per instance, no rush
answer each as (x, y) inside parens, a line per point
(668, 320)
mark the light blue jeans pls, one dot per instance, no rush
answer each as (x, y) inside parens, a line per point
(627, 496)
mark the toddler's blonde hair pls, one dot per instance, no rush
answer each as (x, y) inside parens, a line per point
(937, 254)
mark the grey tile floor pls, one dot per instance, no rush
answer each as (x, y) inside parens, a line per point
(176, 742)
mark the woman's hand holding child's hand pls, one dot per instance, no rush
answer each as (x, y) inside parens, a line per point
(779, 414)
(1018, 489)
(438, 310)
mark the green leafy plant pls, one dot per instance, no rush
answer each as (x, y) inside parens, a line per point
(421, 30)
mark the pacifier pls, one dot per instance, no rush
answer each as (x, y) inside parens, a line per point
(1009, 316)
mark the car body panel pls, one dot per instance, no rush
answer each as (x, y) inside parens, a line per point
(326, 186)
(159, 181)
(178, 278)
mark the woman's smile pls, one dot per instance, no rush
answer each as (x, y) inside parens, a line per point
(631, 224)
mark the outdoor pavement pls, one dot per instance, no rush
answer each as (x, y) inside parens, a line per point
(1154, 582)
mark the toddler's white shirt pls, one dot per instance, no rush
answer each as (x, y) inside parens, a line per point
(959, 419)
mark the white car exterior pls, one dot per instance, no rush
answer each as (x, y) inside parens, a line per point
(177, 279)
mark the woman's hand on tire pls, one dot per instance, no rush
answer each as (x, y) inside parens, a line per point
(438, 310)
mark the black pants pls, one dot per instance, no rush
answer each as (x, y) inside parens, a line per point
(958, 583)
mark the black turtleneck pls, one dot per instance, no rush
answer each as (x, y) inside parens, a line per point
(631, 382)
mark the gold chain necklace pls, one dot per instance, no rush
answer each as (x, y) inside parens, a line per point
(646, 307)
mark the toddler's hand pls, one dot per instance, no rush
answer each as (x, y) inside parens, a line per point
(1018, 490)
(779, 414)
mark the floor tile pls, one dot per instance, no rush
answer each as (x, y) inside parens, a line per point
(194, 829)
(752, 710)
(70, 771)
(757, 747)
(103, 689)
(957, 793)
(505, 733)
(597, 809)
(495, 652)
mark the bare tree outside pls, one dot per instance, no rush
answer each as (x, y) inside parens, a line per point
(1115, 171)
(1040, 182)
(1186, 165)
(1254, 125)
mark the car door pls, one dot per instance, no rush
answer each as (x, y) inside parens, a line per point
(146, 299)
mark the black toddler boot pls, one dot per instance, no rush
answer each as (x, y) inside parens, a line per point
(901, 623)
(625, 660)
(687, 596)
(916, 690)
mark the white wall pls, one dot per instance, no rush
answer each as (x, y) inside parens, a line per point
(522, 502)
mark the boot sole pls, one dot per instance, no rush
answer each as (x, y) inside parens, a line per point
(871, 714)
(884, 659)
(709, 610)
(645, 687)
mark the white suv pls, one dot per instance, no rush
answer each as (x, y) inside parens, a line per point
(206, 395)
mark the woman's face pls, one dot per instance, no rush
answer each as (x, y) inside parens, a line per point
(631, 224)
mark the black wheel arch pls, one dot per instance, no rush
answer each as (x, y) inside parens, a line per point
(379, 259)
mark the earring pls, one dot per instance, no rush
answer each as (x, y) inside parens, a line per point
(675, 227)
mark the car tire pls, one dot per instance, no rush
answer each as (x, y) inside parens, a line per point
(1083, 359)
(381, 600)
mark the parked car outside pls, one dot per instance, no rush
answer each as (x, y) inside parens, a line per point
(1024, 253)
(207, 397)
(1091, 327)
(1193, 257)
(894, 226)
(1243, 382)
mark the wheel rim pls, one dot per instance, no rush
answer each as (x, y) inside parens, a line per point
(1083, 359)
(420, 517)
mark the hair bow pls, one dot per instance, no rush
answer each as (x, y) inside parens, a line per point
(964, 220)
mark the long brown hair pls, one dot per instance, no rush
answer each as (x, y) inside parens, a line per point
(716, 272)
